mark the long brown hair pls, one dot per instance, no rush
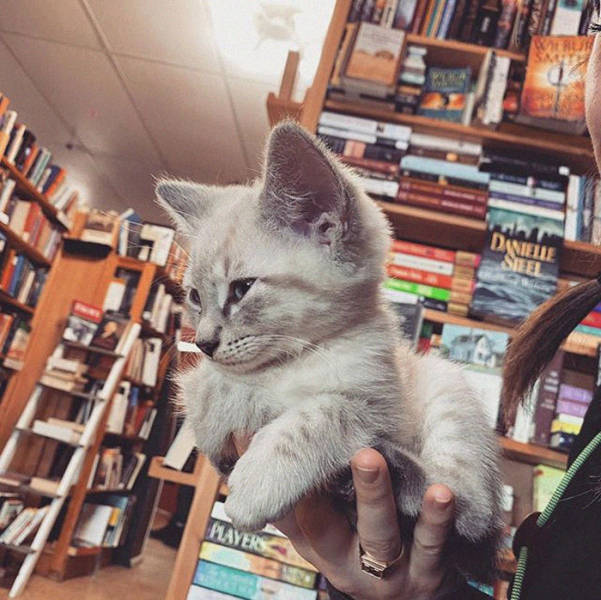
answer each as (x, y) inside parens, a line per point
(540, 336)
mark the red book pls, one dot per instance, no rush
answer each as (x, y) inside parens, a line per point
(467, 259)
(437, 189)
(592, 320)
(379, 166)
(9, 268)
(422, 250)
(442, 204)
(35, 211)
(57, 180)
(33, 154)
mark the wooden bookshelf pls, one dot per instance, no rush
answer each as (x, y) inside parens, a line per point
(532, 454)
(23, 247)
(28, 191)
(8, 299)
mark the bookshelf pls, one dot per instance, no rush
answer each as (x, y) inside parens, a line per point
(60, 559)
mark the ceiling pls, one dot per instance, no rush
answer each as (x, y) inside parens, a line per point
(124, 90)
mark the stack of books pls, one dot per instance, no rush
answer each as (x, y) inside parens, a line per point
(442, 279)
(14, 339)
(113, 470)
(104, 523)
(11, 504)
(23, 526)
(373, 148)
(442, 174)
(143, 364)
(233, 563)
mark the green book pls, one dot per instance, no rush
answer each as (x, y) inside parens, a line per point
(589, 330)
(428, 291)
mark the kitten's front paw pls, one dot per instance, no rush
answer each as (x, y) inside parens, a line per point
(243, 515)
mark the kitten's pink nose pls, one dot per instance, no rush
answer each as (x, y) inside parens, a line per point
(208, 347)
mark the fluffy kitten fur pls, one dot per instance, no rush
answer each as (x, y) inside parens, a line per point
(309, 359)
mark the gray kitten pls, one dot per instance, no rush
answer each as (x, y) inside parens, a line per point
(284, 288)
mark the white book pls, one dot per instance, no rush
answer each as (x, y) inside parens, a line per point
(389, 13)
(572, 201)
(148, 423)
(118, 412)
(180, 448)
(380, 187)
(371, 126)
(572, 419)
(32, 525)
(6, 193)
(164, 312)
(568, 15)
(200, 593)
(56, 432)
(141, 459)
(357, 136)
(152, 356)
(435, 142)
(496, 90)
(422, 263)
(26, 287)
(399, 297)
(156, 305)
(161, 238)
(516, 189)
(114, 296)
(43, 179)
(526, 209)
(92, 524)
(218, 512)
(10, 118)
(20, 521)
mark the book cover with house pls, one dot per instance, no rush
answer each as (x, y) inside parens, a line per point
(482, 352)
(519, 266)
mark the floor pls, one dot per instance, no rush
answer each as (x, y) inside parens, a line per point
(146, 581)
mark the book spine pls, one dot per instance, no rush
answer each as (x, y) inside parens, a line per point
(427, 291)
(420, 13)
(569, 407)
(536, 17)
(445, 22)
(422, 250)
(266, 567)
(465, 159)
(379, 166)
(505, 24)
(441, 204)
(367, 10)
(469, 21)
(445, 168)
(593, 319)
(420, 262)
(505, 187)
(588, 330)
(355, 12)
(419, 276)
(527, 201)
(526, 209)
(557, 186)
(546, 401)
(247, 585)
(575, 394)
(457, 19)
(470, 196)
(389, 13)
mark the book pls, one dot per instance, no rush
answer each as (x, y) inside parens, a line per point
(445, 93)
(545, 480)
(554, 85)
(92, 524)
(374, 60)
(247, 585)
(100, 227)
(56, 432)
(441, 267)
(82, 322)
(181, 448)
(482, 351)
(265, 567)
(567, 17)
(431, 252)
(109, 332)
(519, 267)
(441, 203)
(544, 411)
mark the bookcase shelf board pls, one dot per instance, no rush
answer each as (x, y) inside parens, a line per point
(8, 299)
(158, 471)
(532, 454)
(576, 151)
(27, 190)
(577, 343)
(19, 244)
(431, 227)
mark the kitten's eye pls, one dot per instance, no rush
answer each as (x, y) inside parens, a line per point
(194, 296)
(240, 287)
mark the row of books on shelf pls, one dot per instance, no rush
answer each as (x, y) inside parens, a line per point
(161, 312)
(238, 564)
(143, 364)
(490, 23)
(21, 278)
(131, 414)
(375, 67)
(19, 147)
(131, 236)
(22, 521)
(115, 470)
(26, 219)
(14, 339)
(104, 523)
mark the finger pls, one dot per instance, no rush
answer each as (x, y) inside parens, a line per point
(431, 532)
(377, 523)
(326, 530)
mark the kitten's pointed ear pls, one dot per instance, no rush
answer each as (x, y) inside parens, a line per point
(184, 201)
(304, 188)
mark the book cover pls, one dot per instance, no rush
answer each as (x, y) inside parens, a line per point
(519, 267)
(375, 56)
(100, 227)
(554, 84)
(445, 93)
(547, 399)
(482, 352)
(109, 332)
(82, 323)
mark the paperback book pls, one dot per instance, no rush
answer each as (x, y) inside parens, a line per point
(445, 93)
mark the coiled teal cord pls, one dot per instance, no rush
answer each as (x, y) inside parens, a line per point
(520, 572)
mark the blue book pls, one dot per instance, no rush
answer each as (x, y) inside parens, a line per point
(247, 585)
(447, 16)
(438, 167)
(14, 281)
(445, 93)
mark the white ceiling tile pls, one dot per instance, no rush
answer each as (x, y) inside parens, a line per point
(134, 182)
(33, 110)
(189, 115)
(62, 22)
(84, 87)
(249, 100)
(173, 31)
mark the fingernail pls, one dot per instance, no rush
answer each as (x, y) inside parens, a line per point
(443, 498)
(367, 475)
